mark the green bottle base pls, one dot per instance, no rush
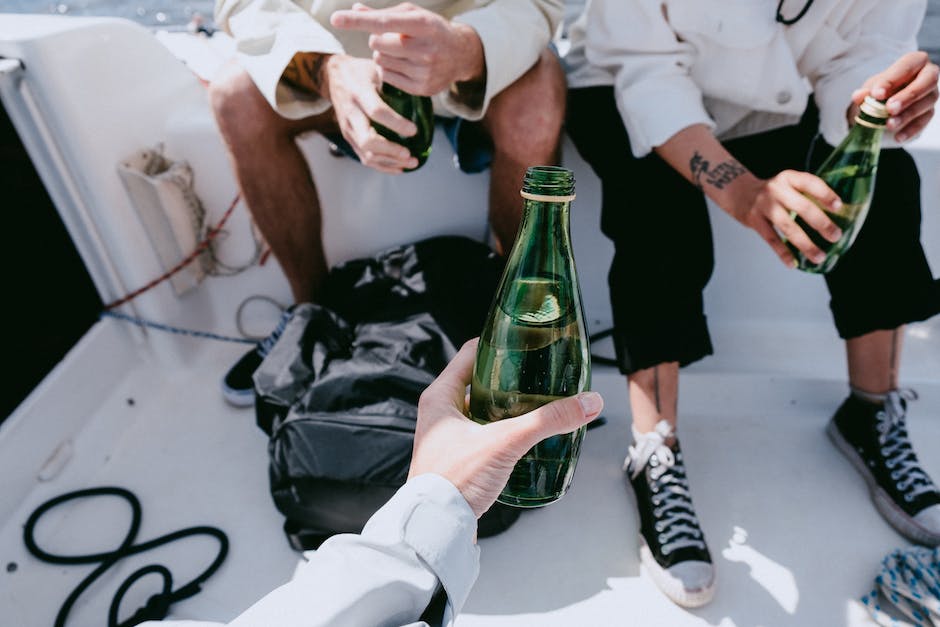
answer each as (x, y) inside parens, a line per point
(521, 503)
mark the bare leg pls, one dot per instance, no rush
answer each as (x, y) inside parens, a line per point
(524, 121)
(874, 359)
(654, 396)
(273, 176)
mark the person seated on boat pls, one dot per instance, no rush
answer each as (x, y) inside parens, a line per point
(671, 101)
(305, 66)
(417, 558)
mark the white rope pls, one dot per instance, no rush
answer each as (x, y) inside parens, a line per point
(909, 582)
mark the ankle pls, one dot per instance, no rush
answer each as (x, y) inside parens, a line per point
(874, 398)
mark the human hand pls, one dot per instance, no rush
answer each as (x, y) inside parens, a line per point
(417, 50)
(910, 88)
(476, 458)
(765, 205)
(352, 84)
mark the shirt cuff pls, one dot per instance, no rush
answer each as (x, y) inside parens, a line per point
(266, 56)
(439, 525)
(656, 109)
(505, 60)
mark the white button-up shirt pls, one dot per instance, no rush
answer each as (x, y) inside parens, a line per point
(268, 34)
(730, 65)
(422, 539)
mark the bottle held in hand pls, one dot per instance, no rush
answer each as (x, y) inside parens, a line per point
(850, 172)
(419, 110)
(534, 348)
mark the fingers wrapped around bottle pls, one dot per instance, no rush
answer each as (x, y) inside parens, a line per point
(787, 200)
(909, 87)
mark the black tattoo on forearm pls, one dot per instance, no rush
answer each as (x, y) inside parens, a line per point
(719, 177)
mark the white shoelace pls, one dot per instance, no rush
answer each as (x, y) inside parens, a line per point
(676, 522)
(907, 474)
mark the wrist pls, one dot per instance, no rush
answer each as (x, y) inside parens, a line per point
(329, 63)
(470, 49)
(738, 198)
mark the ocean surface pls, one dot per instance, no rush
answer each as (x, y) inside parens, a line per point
(175, 14)
(169, 14)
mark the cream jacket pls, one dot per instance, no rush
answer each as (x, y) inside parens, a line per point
(269, 33)
(422, 539)
(730, 65)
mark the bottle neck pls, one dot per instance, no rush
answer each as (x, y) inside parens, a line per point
(544, 240)
(870, 121)
(545, 219)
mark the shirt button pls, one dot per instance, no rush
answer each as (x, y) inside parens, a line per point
(783, 97)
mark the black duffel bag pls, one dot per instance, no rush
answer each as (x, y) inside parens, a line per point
(338, 392)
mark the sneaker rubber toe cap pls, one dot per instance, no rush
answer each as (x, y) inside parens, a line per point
(929, 519)
(696, 577)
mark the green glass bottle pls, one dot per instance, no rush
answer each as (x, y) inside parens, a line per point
(534, 348)
(419, 110)
(850, 172)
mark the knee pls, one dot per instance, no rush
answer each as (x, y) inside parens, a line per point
(238, 106)
(526, 118)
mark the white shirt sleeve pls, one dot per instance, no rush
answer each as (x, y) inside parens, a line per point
(866, 39)
(267, 35)
(421, 539)
(655, 94)
(513, 33)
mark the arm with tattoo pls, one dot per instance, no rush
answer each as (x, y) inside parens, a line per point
(718, 176)
(765, 205)
(696, 154)
(305, 72)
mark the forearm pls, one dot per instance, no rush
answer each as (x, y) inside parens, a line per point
(697, 155)
(420, 540)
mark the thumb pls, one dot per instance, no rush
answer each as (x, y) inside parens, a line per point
(560, 416)
(858, 96)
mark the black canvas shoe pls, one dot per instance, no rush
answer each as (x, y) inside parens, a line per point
(238, 388)
(672, 545)
(874, 438)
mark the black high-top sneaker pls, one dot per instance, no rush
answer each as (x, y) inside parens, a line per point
(672, 545)
(874, 438)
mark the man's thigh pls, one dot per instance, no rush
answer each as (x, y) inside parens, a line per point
(237, 102)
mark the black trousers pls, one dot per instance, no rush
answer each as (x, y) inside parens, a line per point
(664, 252)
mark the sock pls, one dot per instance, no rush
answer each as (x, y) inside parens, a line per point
(869, 397)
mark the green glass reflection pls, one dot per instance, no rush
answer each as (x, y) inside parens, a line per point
(850, 172)
(419, 110)
(534, 348)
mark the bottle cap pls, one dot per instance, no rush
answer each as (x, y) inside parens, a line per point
(547, 183)
(875, 108)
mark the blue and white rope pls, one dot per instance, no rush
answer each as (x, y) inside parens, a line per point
(910, 582)
(179, 331)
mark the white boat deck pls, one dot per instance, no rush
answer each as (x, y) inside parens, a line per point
(795, 538)
(789, 523)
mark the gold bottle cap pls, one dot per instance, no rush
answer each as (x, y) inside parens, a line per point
(875, 108)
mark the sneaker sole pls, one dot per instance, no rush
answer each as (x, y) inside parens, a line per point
(238, 398)
(673, 587)
(889, 510)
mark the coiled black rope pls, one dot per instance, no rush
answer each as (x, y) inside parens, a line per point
(790, 21)
(157, 605)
